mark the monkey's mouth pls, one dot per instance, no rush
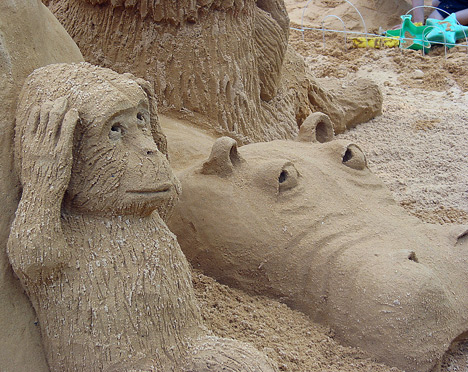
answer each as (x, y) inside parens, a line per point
(161, 190)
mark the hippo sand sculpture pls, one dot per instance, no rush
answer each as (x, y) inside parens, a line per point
(309, 224)
(224, 65)
(108, 281)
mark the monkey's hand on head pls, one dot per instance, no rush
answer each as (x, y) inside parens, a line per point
(36, 246)
(47, 150)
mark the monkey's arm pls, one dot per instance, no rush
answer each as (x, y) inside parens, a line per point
(36, 246)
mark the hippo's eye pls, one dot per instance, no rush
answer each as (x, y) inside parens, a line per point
(116, 132)
(354, 158)
(140, 116)
(288, 177)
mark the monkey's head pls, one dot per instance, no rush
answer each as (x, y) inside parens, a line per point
(119, 160)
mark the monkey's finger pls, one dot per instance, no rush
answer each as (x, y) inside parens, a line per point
(56, 117)
(144, 84)
(65, 141)
(33, 121)
(44, 121)
(129, 75)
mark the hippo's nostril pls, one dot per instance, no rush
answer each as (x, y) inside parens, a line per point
(149, 152)
(412, 257)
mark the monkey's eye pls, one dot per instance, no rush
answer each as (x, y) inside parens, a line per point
(142, 120)
(116, 132)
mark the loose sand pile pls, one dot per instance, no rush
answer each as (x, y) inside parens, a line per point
(417, 147)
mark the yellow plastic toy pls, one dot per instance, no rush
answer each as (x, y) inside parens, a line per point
(376, 42)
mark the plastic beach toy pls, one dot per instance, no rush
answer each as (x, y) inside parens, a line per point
(375, 42)
(449, 27)
(447, 32)
(411, 36)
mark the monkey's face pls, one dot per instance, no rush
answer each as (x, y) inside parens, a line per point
(118, 168)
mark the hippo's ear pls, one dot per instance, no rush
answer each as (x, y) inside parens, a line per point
(316, 128)
(223, 158)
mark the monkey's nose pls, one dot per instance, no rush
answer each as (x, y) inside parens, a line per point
(147, 146)
(150, 149)
(151, 152)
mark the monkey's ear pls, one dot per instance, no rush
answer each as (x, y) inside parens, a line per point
(156, 131)
(316, 128)
(223, 158)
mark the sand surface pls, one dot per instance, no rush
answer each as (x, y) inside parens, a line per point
(418, 147)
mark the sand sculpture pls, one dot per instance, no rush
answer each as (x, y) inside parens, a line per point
(223, 65)
(30, 37)
(109, 283)
(309, 224)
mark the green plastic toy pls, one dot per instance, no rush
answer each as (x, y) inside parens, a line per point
(414, 37)
(449, 27)
(411, 36)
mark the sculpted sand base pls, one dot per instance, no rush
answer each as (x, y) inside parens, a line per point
(309, 224)
(106, 277)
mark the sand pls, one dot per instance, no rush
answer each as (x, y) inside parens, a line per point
(417, 147)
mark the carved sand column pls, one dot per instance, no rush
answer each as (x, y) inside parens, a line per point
(224, 65)
(30, 37)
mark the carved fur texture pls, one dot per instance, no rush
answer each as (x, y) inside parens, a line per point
(224, 65)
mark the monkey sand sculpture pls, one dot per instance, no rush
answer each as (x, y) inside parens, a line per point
(309, 224)
(107, 279)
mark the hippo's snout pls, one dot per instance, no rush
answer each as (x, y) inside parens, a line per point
(406, 296)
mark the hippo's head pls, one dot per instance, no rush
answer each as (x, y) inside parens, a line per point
(308, 223)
